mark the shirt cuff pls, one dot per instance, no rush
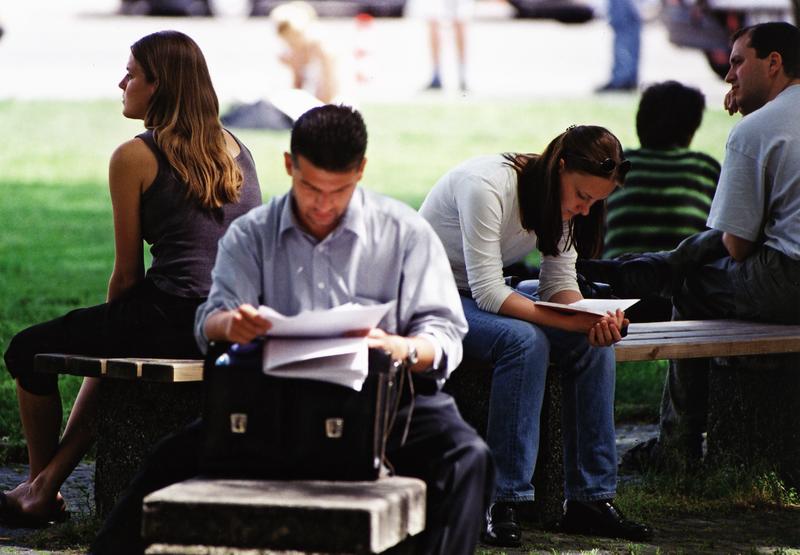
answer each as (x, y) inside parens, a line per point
(438, 352)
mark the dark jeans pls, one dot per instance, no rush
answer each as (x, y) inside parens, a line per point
(144, 322)
(440, 449)
(765, 287)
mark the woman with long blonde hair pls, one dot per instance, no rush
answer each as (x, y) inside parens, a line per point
(177, 186)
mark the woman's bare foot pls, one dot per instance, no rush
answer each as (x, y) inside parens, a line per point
(25, 499)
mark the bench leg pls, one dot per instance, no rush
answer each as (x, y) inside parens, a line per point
(754, 413)
(133, 416)
(470, 385)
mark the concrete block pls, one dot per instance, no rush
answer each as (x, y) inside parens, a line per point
(306, 516)
(471, 385)
(754, 414)
(132, 417)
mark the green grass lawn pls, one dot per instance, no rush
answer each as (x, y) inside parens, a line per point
(56, 246)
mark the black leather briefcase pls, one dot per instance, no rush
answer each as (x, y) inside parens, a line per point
(260, 426)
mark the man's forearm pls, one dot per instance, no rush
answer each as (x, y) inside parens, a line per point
(216, 324)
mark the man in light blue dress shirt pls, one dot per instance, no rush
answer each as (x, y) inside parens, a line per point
(325, 243)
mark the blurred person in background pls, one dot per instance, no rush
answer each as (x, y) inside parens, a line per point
(313, 67)
(436, 13)
(626, 22)
(312, 63)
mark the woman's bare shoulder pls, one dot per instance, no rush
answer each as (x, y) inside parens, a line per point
(136, 161)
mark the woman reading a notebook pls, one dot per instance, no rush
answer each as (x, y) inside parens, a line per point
(491, 212)
(177, 185)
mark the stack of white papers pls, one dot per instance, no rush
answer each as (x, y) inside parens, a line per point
(326, 345)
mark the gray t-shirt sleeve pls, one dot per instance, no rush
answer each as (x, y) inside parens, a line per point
(740, 199)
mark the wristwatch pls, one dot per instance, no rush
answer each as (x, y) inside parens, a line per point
(412, 357)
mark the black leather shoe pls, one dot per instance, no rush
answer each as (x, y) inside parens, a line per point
(502, 526)
(601, 518)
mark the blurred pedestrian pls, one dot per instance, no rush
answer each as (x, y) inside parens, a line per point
(626, 22)
(436, 13)
(312, 63)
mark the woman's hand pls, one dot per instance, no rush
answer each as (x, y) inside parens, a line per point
(607, 330)
(730, 103)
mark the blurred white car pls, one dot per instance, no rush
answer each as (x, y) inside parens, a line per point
(708, 24)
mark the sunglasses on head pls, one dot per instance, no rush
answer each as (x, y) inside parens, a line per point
(605, 167)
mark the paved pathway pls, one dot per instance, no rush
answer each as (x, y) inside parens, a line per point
(79, 488)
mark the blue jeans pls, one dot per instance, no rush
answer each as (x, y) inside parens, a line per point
(520, 353)
(627, 25)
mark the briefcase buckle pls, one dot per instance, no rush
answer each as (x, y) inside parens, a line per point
(334, 427)
(238, 422)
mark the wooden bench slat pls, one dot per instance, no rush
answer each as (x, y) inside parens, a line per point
(172, 371)
(706, 338)
(753, 336)
(146, 369)
(704, 325)
(122, 368)
(55, 363)
(692, 348)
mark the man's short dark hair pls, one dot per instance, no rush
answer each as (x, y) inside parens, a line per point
(331, 137)
(776, 36)
(669, 115)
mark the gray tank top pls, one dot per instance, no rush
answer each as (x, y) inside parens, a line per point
(181, 233)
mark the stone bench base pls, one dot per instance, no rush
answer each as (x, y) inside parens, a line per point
(754, 414)
(133, 416)
(471, 384)
(205, 515)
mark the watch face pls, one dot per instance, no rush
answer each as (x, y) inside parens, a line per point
(413, 358)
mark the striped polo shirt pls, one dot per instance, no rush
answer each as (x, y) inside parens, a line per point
(666, 197)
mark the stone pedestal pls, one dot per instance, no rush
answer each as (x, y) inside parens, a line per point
(295, 516)
(471, 384)
(754, 413)
(133, 416)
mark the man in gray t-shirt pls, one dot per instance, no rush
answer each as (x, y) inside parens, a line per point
(747, 265)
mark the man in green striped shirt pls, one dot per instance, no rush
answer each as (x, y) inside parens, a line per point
(668, 192)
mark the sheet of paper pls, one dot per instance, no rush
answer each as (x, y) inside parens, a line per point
(592, 306)
(343, 361)
(284, 351)
(337, 321)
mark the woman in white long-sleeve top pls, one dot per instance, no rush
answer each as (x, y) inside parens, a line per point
(490, 212)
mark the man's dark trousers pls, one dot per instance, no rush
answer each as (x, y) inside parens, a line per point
(764, 287)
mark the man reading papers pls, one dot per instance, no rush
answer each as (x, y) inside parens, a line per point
(325, 243)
